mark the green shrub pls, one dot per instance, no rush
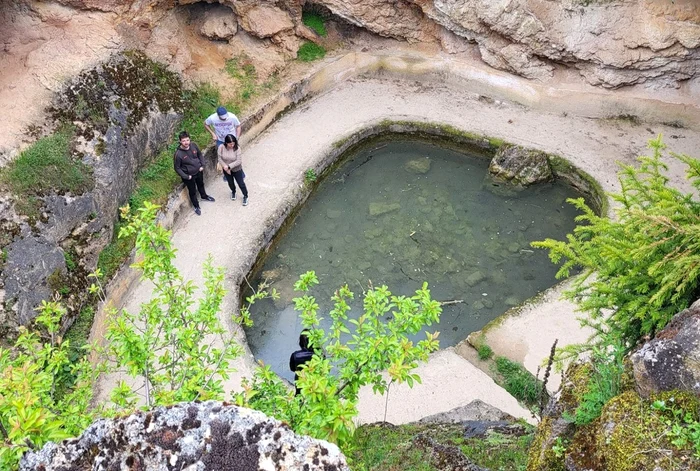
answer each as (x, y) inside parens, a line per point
(309, 52)
(646, 262)
(485, 352)
(315, 22)
(31, 412)
(310, 177)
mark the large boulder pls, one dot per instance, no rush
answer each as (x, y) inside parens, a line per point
(520, 166)
(265, 21)
(189, 436)
(671, 361)
(219, 23)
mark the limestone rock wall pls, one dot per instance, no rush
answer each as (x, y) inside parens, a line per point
(612, 43)
(202, 436)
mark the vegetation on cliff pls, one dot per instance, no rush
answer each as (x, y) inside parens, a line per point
(639, 270)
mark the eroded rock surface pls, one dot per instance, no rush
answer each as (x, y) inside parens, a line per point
(219, 23)
(671, 361)
(203, 436)
(611, 44)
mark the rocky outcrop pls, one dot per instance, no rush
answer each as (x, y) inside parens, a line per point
(219, 23)
(474, 411)
(663, 371)
(671, 361)
(203, 436)
(520, 166)
(124, 111)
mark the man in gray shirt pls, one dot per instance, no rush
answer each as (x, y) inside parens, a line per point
(222, 123)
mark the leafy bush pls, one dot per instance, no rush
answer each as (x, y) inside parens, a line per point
(331, 380)
(31, 413)
(315, 22)
(642, 268)
(168, 344)
(683, 427)
(309, 52)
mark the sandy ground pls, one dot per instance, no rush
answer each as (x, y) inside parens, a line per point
(275, 162)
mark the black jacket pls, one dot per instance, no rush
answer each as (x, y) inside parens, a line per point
(297, 359)
(188, 162)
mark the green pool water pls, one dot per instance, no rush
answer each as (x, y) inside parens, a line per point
(402, 212)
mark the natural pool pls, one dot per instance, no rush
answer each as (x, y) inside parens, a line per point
(402, 212)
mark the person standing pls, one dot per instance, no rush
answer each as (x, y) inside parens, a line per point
(230, 159)
(189, 164)
(300, 357)
(220, 124)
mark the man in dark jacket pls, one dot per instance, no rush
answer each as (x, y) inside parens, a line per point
(189, 164)
(300, 357)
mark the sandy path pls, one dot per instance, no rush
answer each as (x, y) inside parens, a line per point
(276, 159)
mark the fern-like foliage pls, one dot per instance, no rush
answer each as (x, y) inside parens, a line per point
(643, 266)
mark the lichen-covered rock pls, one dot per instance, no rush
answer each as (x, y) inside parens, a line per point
(520, 166)
(671, 361)
(219, 23)
(631, 436)
(200, 436)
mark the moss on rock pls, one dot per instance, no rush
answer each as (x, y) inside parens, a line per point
(631, 436)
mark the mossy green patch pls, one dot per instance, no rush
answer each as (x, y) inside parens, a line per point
(632, 436)
(541, 456)
(518, 381)
(309, 52)
(44, 167)
(315, 22)
(384, 447)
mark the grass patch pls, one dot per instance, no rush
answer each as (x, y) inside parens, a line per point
(388, 448)
(518, 381)
(315, 22)
(499, 452)
(485, 352)
(242, 69)
(47, 166)
(377, 448)
(309, 52)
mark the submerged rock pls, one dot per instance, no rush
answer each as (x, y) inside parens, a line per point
(520, 166)
(202, 436)
(377, 209)
(418, 166)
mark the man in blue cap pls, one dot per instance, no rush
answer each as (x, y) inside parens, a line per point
(222, 123)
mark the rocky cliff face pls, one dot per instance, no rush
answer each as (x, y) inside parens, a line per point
(123, 112)
(202, 436)
(612, 43)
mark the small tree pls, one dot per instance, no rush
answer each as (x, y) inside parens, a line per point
(169, 343)
(643, 267)
(31, 411)
(331, 380)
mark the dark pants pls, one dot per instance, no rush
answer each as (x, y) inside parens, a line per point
(197, 181)
(238, 176)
